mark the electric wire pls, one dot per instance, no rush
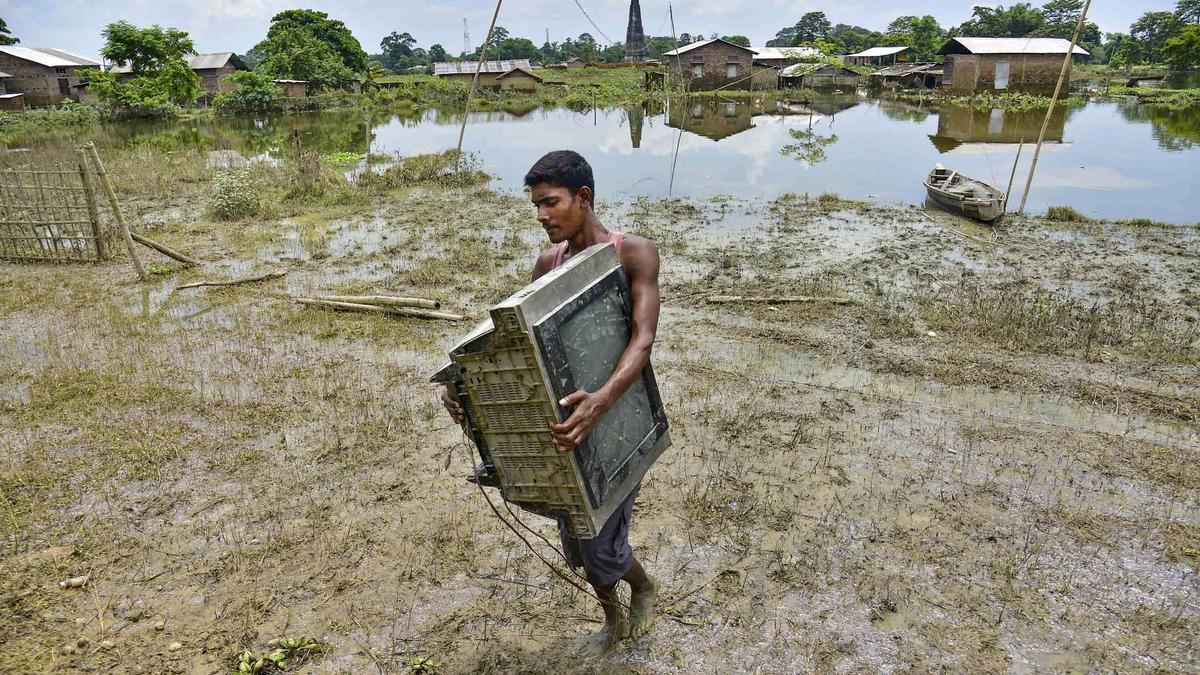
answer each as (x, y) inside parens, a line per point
(589, 18)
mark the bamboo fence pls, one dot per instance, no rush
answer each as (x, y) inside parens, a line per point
(52, 215)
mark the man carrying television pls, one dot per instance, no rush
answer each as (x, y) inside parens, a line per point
(563, 190)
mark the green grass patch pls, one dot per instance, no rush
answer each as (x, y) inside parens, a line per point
(1066, 214)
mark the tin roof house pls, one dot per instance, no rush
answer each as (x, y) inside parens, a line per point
(880, 56)
(998, 64)
(717, 64)
(44, 75)
(489, 74)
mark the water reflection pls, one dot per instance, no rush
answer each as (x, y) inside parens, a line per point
(1118, 160)
(957, 126)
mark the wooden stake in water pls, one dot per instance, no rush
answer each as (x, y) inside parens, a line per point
(1013, 176)
(116, 207)
(462, 131)
(1062, 75)
(89, 193)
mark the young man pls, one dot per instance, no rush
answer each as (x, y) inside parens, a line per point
(563, 190)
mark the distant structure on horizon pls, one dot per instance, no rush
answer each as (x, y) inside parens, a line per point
(635, 36)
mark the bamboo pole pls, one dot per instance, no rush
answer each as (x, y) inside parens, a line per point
(169, 252)
(776, 299)
(1013, 176)
(399, 311)
(116, 207)
(383, 301)
(233, 282)
(1054, 103)
(462, 131)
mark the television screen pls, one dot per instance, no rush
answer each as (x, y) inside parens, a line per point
(582, 342)
(564, 332)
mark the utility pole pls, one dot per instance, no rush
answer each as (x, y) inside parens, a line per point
(466, 38)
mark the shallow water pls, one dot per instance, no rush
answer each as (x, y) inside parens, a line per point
(1108, 160)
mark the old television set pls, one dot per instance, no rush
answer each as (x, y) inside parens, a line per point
(564, 332)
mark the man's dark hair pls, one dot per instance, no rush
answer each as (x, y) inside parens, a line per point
(562, 168)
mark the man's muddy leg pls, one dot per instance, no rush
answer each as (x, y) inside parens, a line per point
(616, 623)
(643, 593)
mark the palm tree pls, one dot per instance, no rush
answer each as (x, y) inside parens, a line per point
(370, 78)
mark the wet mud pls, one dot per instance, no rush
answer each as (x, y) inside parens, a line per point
(985, 462)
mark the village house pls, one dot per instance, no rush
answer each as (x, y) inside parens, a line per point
(575, 62)
(999, 64)
(45, 76)
(817, 75)
(9, 101)
(519, 79)
(909, 76)
(713, 64)
(212, 69)
(489, 75)
(880, 56)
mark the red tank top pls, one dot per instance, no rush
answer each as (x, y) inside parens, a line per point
(560, 255)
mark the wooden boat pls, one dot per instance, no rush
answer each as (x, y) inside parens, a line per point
(972, 198)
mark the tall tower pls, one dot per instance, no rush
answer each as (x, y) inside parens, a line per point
(635, 36)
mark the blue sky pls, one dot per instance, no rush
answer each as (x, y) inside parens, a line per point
(236, 25)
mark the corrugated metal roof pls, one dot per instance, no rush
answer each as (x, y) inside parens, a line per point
(4, 74)
(468, 67)
(54, 58)
(521, 70)
(784, 52)
(199, 62)
(806, 68)
(978, 45)
(695, 45)
(902, 69)
(11, 95)
(876, 52)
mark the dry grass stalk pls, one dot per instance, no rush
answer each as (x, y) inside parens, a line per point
(383, 301)
(233, 282)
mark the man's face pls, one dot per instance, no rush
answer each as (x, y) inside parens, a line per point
(560, 213)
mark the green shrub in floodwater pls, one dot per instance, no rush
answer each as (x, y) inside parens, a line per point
(445, 168)
(1066, 214)
(235, 196)
(343, 157)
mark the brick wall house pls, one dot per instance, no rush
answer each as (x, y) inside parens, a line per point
(518, 79)
(46, 76)
(710, 64)
(1003, 64)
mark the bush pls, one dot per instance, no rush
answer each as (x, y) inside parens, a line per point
(235, 196)
(1066, 214)
(434, 169)
(255, 93)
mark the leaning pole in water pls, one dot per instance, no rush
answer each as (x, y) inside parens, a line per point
(475, 82)
(1054, 103)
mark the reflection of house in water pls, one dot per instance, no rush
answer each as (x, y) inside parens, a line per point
(957, 126)
(710, 118)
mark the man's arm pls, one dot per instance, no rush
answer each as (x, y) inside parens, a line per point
(641, 264)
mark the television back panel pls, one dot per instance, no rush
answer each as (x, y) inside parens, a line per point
(564, 332)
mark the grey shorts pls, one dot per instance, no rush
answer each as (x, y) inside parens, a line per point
(608, 557)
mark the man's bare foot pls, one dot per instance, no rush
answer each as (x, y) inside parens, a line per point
(641, 609)
(606, 640)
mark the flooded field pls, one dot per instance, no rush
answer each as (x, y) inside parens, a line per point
(984, 461)
(1107, 160)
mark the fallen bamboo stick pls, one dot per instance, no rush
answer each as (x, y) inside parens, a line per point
(169, 252)
(399, 311)
(383, 301)
(777, 299)
(233, 282)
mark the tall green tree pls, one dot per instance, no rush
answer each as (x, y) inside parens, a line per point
(437, 54)
(1123, 50)
(1018, 20)
(853, 39)
(6, 37)
(303, 44)
(737, 39)
(144, 50)
(1188, 11)
(331, 32)
(813, 25)
(1152, 30)
(1183, 50)
(397, 50)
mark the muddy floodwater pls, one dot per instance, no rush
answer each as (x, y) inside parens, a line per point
(980, 456)
(1107, 160)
